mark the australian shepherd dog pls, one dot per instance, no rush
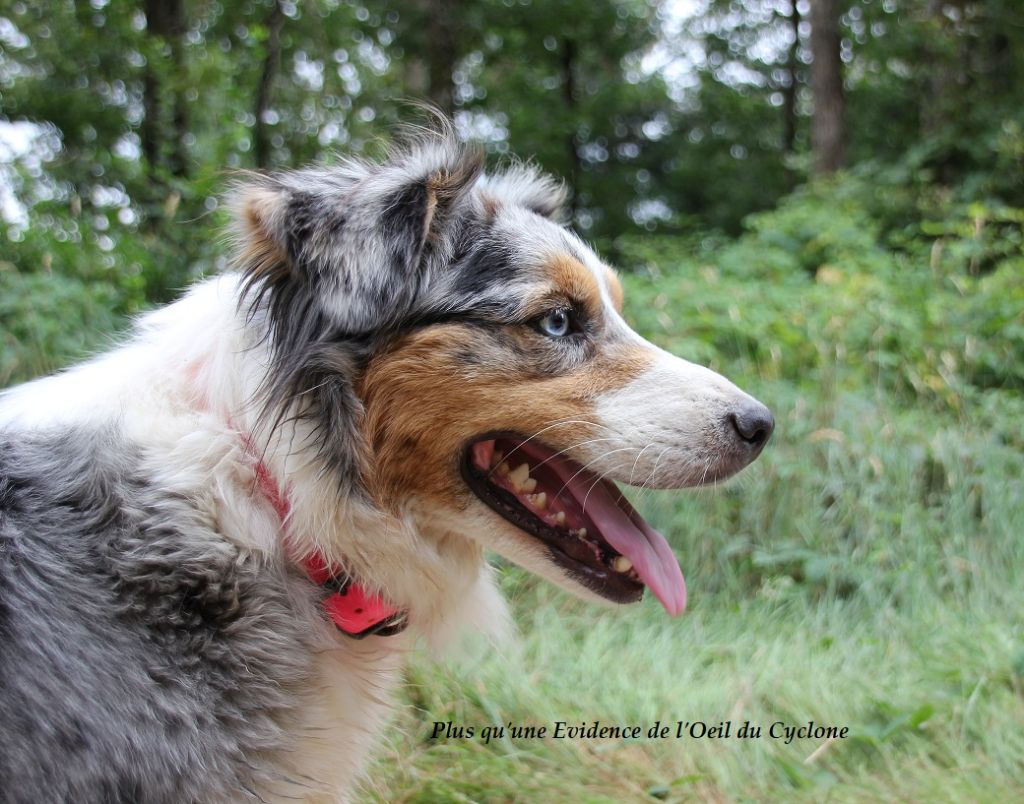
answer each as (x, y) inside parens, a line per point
(218, 541)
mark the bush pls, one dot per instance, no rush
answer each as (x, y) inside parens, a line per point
(49, 321)
(812, 293)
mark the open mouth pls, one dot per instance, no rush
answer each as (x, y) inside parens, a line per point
(584, 521)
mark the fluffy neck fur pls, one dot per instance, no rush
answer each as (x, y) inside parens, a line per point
(419, 564)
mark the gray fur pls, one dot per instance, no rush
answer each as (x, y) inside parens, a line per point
(142, 657)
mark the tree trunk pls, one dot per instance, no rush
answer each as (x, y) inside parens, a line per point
(179, 120)
(149, 130)
(271, 63)
(570, 100)
(828, 123)
(789, 96)
(937, 68)
(442, 53)
(165, 25)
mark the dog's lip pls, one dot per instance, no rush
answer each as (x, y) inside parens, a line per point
(615, 532)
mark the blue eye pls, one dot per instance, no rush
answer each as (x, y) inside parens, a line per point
(556, 324)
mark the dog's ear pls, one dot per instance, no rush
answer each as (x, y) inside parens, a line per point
(359, 236)
(524, 185)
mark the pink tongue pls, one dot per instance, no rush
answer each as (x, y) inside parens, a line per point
(625, 530)
(651, 555)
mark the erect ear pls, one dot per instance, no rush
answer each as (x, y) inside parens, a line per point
(429, 183)
(359, 236)
(524, 185)
(257, 208)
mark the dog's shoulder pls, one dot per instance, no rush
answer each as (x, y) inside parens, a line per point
(138, 645)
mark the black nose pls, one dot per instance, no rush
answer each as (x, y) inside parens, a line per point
(753, 422)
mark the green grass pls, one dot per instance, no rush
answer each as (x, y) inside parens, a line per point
(867, 571)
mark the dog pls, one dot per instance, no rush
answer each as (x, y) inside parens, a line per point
(219, 540)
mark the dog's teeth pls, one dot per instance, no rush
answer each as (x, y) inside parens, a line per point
(517, 477)
(529, 484)
(560, 518)
(503, 469)
(540, 501)
(622, 564)
(581, 533)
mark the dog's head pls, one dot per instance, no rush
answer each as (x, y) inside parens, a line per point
(463, 355)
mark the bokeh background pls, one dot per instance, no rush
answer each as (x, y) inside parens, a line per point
(823, 200)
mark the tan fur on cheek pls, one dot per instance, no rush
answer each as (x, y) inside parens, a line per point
(614, 288)
(623, 364)
(429, 397)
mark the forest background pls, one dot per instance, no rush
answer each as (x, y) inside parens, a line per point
(823, 200)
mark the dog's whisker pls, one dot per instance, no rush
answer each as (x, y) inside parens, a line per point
(574, 420)
(704, 474)
(552, 425)
(585, 466)
(555, 455)
(635, 462)
(654, 471)
(597, 480)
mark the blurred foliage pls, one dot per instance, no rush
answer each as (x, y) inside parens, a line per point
(821, 292)
(49, 320)
(122, 123)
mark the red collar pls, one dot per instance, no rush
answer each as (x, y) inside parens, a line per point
(351, 607)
